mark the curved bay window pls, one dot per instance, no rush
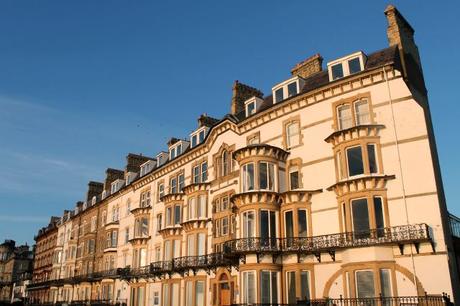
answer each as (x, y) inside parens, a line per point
(258, 176)
(259, 230)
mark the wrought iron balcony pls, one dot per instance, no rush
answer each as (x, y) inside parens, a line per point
(397, 235)
(426, 300)
(252, 245)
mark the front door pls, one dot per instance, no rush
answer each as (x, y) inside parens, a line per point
(225, 294)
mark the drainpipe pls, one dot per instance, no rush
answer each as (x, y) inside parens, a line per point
(401, 173)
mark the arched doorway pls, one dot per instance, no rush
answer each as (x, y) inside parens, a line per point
(225, 292)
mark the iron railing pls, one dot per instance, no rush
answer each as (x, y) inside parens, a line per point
(454, 225)
(425, 300)
(331, 242)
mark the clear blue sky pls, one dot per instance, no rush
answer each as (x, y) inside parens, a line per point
(82, 83)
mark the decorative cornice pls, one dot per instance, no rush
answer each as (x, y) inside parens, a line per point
(355, 132)
(169, 231)
(360, 183)
(138, 211)
(263, 150)
(298, 196)
(192, 188)
(194, 224)
(139, 240)
(255, 197)
(172, 197)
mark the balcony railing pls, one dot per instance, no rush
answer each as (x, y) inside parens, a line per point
(454, 225)
(384, 236)
(425, 300)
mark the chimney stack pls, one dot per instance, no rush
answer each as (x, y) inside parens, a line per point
(134, 162)
(310, 66)
(94, 189)
(110, 176)
(400, 33)
(241, 93)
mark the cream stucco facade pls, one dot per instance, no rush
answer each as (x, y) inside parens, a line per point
(332, 192)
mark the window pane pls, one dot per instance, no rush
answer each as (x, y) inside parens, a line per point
(199, 294)
(291, 295)
(292, 132)
(201, 138)
(385, 282)
(251, 108)
(201, 244)
(304, 285)
(365, 284)
(165, 295)
(274, 287)
(337, 71)
(249, 287)
(355, 161)
(294, 179)
(177, 218)
(191, 245)
(279, 95)
(263, 181)
(265, 287)
(248, 177)
(263, 223)
(175, 294)
(302, 219)
(372, 159)
(292, 89)
(360, 218)
(189, 294)
(362, 112)
(204, 172)
(354, 65)
(289, 224)
(271, 177)
(379, 220)
(248, 221)
(345, 119)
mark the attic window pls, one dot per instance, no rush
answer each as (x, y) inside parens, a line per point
(147, 167)
(287, 89)
(347, 65)
(93, 200)
(250, 109)
(198, 136)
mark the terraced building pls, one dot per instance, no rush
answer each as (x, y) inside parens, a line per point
(327, 187)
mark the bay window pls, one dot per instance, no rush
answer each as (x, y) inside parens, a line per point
(177, 216)
(265, 173)
(360, 217)
(266, 176)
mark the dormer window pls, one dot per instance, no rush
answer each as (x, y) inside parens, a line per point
(177, 149)
(252, 105)
(93, 200)
(130, 176)
(198, 136)
(147, 167)
(116, 185)
(161, 158)
(346, 66)
(287, 89)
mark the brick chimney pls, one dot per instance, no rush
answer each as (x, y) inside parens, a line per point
(110, 176)
(205, 120)
(310, 66)
(134, 162)
(241, 93)
(400, 33)
(94, 189)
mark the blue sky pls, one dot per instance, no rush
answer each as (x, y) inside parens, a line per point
(83, 83)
